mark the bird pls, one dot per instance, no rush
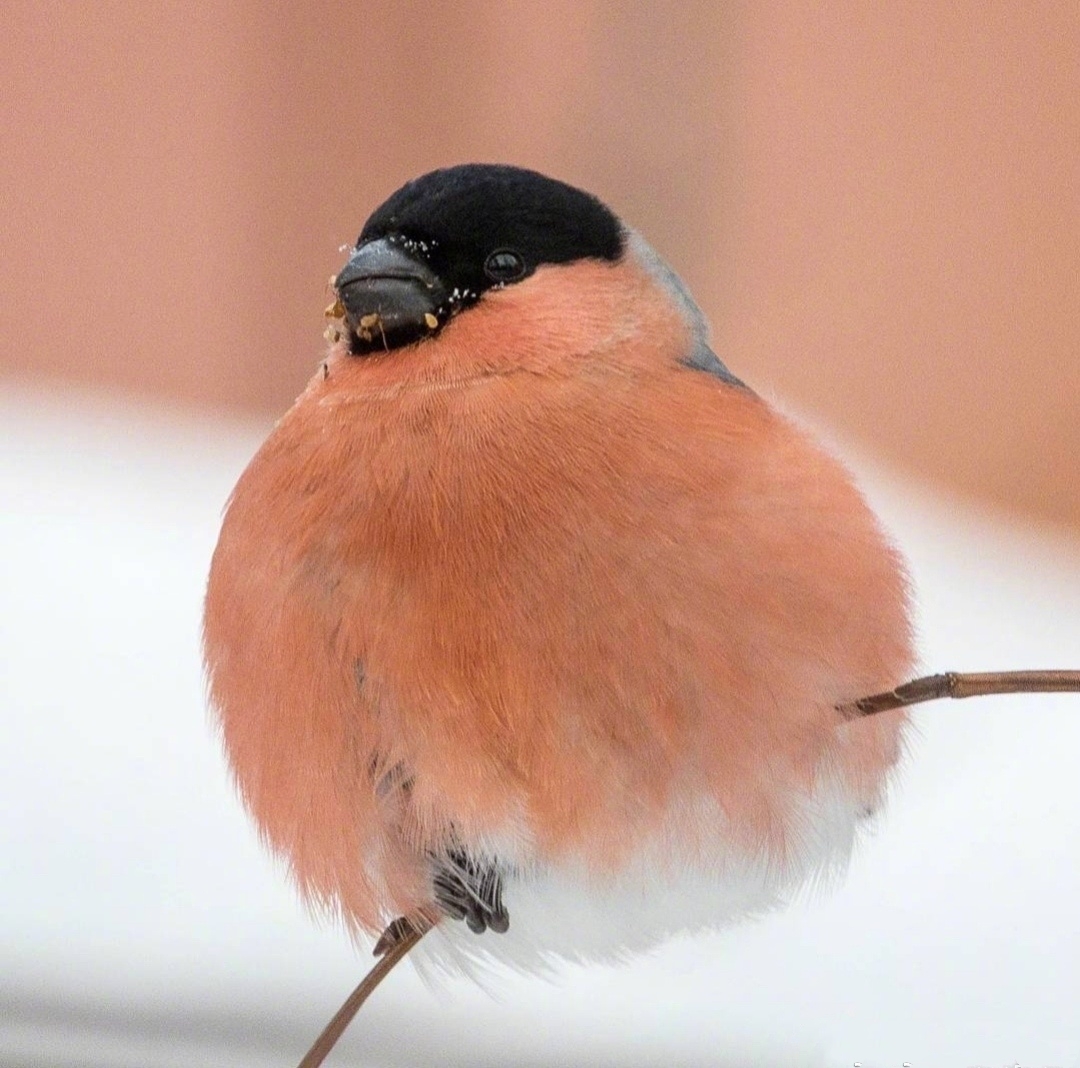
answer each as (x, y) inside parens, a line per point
(531, 622)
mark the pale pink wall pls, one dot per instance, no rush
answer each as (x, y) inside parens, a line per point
(910, 240)
(878, 205)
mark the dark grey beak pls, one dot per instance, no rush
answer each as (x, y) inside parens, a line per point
(391, 296)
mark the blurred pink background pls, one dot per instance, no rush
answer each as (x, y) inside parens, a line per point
(877, 205)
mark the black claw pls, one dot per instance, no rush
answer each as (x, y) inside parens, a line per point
(470, 890)
(393, 934)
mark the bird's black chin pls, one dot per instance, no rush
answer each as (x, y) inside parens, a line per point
(391, 297)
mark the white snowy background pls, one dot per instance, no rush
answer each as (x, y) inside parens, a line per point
(142, 926)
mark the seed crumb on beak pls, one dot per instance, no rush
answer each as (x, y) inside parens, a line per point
(368, 325)
(332, 334)
(430, 320)
(335, 310)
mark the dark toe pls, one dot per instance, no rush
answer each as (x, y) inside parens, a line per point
(392, 936)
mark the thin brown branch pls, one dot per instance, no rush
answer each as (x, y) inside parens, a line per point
(396, 942)
(402, 935)
(955, 685)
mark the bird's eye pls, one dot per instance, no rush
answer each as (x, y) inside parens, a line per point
(504, 265)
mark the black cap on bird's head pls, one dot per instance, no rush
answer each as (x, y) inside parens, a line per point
(444, 239)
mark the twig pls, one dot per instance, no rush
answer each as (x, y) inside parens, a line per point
(952, 684)
(398, 939)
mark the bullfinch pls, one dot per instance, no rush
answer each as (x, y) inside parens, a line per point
(530, 620)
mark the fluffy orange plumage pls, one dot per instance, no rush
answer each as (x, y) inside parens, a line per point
(535, 587)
